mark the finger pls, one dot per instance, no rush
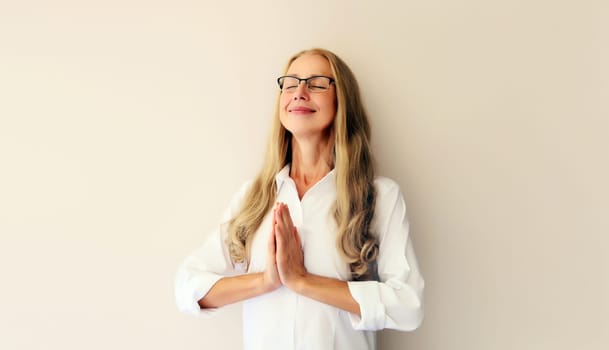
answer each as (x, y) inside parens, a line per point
(297, 236)
(277, 223)
(280, 216)
(275, 209)
(286, 218)
(281, 248)
(279, 235)
(280, 227)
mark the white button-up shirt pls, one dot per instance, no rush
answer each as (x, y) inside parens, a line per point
(283, 319)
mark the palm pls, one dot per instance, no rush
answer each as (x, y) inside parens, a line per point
(289, 257)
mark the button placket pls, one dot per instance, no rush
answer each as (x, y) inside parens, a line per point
(296, 210)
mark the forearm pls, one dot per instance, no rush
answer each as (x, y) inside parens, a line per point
(233, 289)
(328, 291)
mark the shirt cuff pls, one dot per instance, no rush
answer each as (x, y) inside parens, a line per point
(372, 310)
(189, 294)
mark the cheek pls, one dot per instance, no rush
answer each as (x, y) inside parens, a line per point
(283, 114)
(284, 99)
(329, 102)
(329, 106)
(283, 103)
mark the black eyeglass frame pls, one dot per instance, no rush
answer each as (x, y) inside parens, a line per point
(306, 80)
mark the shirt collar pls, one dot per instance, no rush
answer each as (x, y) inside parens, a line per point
(283, 175)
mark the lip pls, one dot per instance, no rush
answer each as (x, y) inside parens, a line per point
(301, 110)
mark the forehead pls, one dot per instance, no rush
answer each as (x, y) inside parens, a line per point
(308, 65)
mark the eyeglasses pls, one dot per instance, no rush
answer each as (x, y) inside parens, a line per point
(316, 83)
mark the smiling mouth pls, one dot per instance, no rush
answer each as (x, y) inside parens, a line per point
(301, 110)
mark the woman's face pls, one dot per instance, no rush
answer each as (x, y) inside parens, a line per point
(304, 113)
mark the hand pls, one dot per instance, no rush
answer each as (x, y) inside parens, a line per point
(270, 278)
(290, 259)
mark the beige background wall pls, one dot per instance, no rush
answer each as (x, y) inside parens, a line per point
(126, 126)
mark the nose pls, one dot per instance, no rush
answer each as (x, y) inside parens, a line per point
(302, 92)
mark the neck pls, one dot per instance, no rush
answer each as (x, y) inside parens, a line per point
(311, 160)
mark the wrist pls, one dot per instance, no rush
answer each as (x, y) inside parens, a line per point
(265, 283)
(262, 285)
(301, 284)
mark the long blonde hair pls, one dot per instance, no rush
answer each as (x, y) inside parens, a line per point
(354, 176)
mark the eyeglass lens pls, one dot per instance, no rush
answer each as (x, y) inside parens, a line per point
(314, 84)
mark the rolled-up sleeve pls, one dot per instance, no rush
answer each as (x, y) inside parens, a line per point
(396, 300)
(206, 265)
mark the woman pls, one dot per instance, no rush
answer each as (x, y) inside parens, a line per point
(316, 246)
